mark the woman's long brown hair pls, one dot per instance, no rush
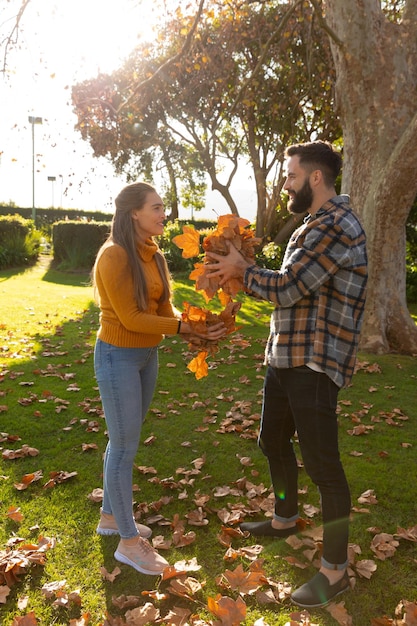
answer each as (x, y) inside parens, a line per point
(122, 232)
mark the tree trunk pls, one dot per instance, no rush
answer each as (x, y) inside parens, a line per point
(376, 69)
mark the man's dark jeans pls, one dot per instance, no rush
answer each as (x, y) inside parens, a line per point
(304, 401)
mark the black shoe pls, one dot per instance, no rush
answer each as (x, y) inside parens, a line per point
(265, 529)
(319, 592)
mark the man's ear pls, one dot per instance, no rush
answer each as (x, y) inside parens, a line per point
(316, 177)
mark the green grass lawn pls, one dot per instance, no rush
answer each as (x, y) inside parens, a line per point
(198, 472)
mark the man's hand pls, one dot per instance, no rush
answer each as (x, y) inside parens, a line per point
(233, 265)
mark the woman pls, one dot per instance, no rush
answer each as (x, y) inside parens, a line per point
(132, 281)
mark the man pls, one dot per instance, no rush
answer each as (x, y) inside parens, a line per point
(319, 297)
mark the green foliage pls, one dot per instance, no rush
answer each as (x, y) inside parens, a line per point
(270, 256)
(45, 218)
(19, 242)
(76, 244)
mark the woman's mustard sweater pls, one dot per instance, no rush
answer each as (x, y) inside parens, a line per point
(122, 324)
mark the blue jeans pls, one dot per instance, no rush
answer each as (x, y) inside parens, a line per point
(126, 379)
(304, 401)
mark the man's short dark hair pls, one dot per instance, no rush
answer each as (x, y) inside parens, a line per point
(318, 155)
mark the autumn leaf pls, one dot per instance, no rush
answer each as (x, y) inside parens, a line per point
(4, 592)
(410, 534)
(384, 545)
(110, 576)
(340, 614)
(189, 241)
(245, 582)
(25, 620)
(365, 568)
(15, 514)
(27, 479)
(200, 319)
(142, 615)
(230, 612)
(198, 365)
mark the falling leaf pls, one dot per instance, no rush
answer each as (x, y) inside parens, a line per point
(15, 514)
(198, 365)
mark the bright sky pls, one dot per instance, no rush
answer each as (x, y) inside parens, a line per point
(62, 42)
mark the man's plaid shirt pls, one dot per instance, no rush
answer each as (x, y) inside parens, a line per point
(319, 293)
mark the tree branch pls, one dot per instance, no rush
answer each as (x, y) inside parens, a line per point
(8, 40)
(171, 60)
(325, 25)
(262, 57)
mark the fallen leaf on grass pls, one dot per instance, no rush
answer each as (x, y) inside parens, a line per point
(25, 620)
(28, 479)
(410, 534)
(126, 602)
(230, 612)
(245, 582)
(58, 477)
(22, 452)
(177, 616)
(384, 546)
(340, 614)
(15, 514)
(185, 587)
(300, 619)
(110, 576)
(16, 562)
(4, 592)
(142, 615)
(368, 497)
(82, 621)
(407, 612)
(365, 568)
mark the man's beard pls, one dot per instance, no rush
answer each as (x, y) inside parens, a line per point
(302, 200)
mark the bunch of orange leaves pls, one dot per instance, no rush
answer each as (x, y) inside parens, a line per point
(230, 230)
(200, 320)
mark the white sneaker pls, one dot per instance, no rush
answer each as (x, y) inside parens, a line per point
(107, 526)
(142, 556)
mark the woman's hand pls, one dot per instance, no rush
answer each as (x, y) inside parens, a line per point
(232, 265)
(211, 333)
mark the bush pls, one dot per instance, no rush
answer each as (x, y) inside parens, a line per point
(172, 252)
(76, 244)
(19, 242)
(270, 256)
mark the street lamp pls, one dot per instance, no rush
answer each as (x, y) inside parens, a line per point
(33, 120)
(52, 179)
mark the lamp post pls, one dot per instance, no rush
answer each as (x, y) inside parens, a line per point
(33, 120)
(52, 179)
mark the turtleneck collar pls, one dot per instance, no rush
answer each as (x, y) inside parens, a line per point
(146, 249)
